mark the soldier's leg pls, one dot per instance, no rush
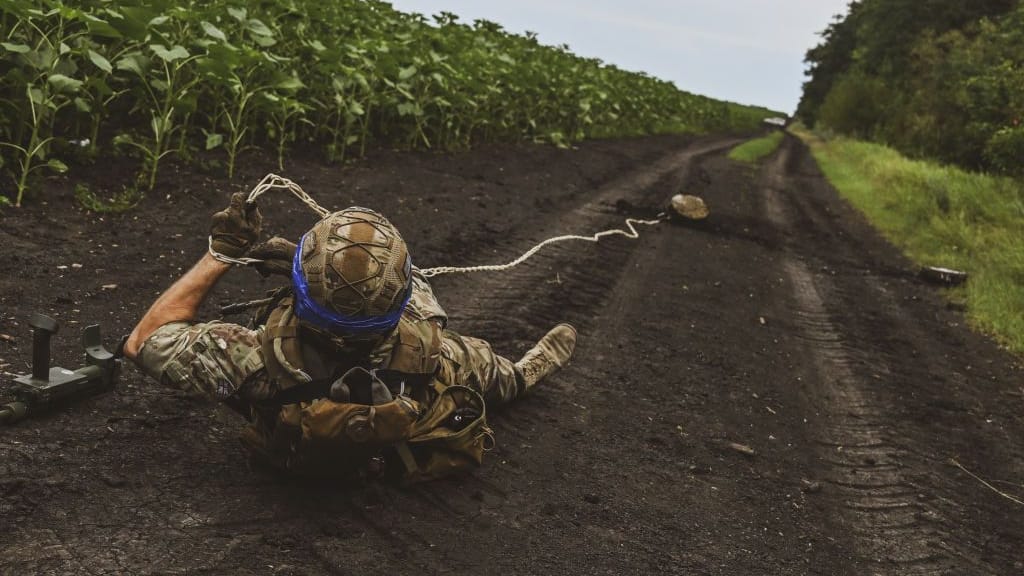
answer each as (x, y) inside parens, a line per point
(467, 361)
(471, 362)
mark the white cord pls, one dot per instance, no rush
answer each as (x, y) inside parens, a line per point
(275, 182)
(269, 182)
(632, 233)
(228, 259)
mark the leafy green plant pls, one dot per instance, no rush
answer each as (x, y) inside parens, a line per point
(286, 112)
(166, 77)
(45, 74)
(128, 198)
(166, 85)
(96, 95)
(250, 77)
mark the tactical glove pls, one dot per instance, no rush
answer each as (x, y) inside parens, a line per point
(236, 228)
(277, 254)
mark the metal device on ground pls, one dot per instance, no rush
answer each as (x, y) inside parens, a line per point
(48, 386)
(687, 207)
(944, 276)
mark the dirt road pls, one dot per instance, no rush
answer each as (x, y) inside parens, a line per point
(772, 392)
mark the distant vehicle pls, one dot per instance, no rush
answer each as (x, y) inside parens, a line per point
(776, 122)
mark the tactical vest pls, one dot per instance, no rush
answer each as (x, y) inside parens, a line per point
(421, 430)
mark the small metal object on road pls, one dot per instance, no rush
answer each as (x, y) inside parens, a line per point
(47, 385)
(689, 207)
(945, 276)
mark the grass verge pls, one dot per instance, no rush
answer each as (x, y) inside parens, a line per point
(753, 150)
(941, 216)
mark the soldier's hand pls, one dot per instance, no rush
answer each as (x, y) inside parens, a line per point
(277, 254)
(236, 228)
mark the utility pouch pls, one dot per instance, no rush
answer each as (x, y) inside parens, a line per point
(450, 438)
(325, 438)
(327, 424)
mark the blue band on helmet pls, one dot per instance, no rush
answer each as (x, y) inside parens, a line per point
(309, 310)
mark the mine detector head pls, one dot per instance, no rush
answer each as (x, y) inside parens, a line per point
(47, 385)
(684, 207)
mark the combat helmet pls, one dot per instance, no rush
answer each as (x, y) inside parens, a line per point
(352, 275)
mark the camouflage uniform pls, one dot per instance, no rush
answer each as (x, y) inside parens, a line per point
(350, 369)
(225, 361)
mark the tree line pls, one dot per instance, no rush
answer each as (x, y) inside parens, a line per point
(942, 79)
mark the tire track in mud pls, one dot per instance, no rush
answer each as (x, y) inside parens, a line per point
(895, 527)
(520, 295)
(878, 504)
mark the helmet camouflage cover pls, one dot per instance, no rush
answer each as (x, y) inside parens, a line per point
(352, 274)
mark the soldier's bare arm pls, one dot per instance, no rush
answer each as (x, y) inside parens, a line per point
(180, 303)
(232, 232)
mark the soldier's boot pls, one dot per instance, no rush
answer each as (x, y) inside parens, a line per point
(549, 354)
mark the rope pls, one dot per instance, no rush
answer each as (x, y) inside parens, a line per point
(954, 462)
(632, 233)
(275, 182)
(228, 259)
(269, 182)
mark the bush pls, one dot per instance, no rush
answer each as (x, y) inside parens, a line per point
(1005, 150)
(856, 106)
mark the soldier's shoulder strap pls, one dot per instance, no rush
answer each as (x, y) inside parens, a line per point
(282, 351)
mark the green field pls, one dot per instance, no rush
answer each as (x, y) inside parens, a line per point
(154, 78)
(756, 149)
(941, 216)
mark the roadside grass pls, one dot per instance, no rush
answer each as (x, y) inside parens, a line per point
(753, 150)
(941, 216)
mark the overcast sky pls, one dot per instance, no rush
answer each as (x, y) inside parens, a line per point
(748, 51)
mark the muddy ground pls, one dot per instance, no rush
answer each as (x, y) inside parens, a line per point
(784, 324)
